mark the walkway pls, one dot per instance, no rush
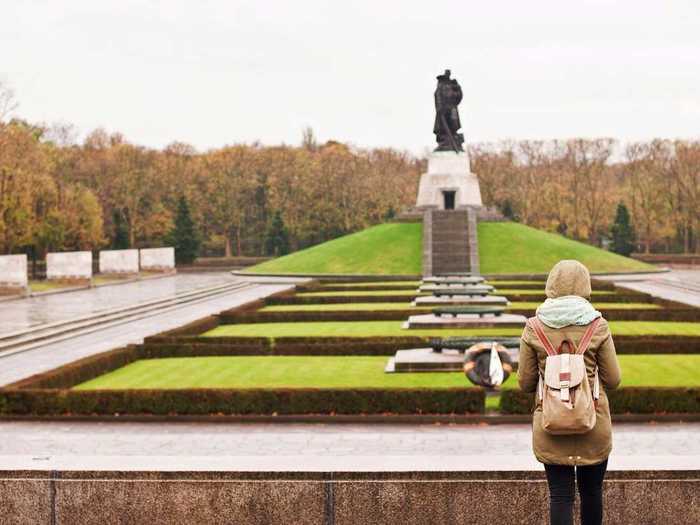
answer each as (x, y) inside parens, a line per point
(24, 313)
(53, 355)
(677, 285)
(317, 447)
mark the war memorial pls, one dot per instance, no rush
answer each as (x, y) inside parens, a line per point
(276, 394)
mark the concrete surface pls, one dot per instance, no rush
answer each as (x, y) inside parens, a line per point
(52, 355)
(157, 259)
(317, 447)
(119, 261)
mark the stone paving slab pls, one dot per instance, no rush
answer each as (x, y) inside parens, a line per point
(298, 447)
(33, 311)
(677, 285)
(19, 366)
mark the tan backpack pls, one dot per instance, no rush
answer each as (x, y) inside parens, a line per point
(568, 405)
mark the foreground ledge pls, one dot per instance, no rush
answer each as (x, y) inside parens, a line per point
(306, 497)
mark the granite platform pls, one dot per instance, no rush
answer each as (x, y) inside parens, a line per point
(429, 300)
(465, 321)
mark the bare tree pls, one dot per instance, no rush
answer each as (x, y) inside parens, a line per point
(8, 102)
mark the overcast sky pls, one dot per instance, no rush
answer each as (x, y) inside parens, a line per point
(218, 72)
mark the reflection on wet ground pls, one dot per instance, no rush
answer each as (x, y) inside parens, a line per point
(25, 313)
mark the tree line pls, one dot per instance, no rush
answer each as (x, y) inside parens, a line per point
(57, 194)
(575, 186)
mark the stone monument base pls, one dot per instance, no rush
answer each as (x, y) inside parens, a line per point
(427, 360)
(449, 183)
(457, 300)
(465, 321)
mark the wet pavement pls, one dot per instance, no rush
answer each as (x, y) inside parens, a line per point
(58, 353)
(25, 313)
(682, 286)
(319, 447)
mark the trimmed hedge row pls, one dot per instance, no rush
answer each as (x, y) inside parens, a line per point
(678, 315)
(239, 402)
(302, 316)
(623, 314)
(624, 344)
(599, 298)
(626, 400)
(337, 299)
(355, 288)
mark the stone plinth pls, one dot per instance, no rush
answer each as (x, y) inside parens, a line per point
(428, 360)
(448, 172)
(465, 321)
(13, 274)
(157, 259)
(69, 266)
(119, 262)
(487, 300)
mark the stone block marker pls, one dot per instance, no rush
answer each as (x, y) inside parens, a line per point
(119, 262)
(13, 274)
(69, 266)
(158, 259)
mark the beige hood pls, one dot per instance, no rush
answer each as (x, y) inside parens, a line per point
(568, 277)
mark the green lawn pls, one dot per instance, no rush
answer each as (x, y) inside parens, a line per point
(347, 372)
(45, 286)
(507, 247)
(393, 329)
(370, 307)
(394, 248)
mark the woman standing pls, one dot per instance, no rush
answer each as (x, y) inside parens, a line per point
(567, 321)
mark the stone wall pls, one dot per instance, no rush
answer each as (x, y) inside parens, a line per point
(119, 261)
(301, 498)
(72, 266)
(157, 259)
(13, 272)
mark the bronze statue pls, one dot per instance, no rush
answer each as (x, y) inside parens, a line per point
(447, 96)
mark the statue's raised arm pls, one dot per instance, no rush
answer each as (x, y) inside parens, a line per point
(447, 96)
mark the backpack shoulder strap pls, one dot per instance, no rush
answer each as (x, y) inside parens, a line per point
(587, 336)
(536, 325)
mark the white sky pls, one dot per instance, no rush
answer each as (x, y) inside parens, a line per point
(217, 72)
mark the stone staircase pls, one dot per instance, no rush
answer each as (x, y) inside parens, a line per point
(450, 242)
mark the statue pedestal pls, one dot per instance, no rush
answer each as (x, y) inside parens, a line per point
(449, 183)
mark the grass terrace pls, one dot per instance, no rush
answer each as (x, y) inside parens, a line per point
(370, 307)
(347, 372)
(393, 329)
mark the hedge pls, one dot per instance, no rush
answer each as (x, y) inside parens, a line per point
(240, 402)
(357, 288)
(601, 298)
(337, 299)
(627, 400)
(622, 314)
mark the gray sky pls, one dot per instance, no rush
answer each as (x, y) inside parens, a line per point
(217, 72)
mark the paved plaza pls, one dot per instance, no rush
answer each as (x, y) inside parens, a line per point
(318, 447)
(25, 313)
(55, 354)
(677, 285)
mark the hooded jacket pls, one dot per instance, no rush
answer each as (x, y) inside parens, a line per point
(569, 278)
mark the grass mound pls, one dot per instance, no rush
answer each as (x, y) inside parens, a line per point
(395, 248)
(386, 249)
(508, 247)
